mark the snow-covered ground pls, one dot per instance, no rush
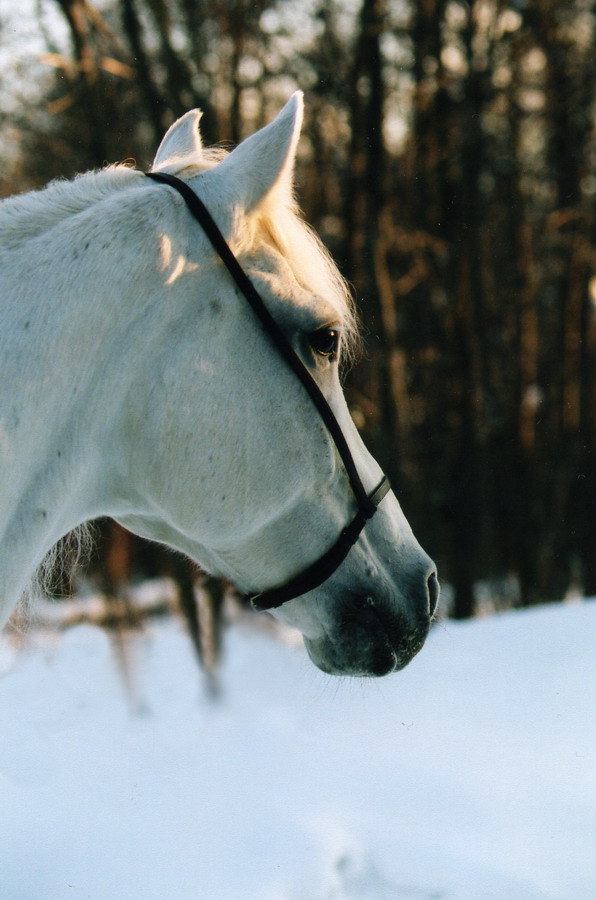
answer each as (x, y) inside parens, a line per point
(471, 774)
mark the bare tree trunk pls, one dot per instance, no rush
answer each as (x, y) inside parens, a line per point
(153, 100)
(77, 15)
(384, 372)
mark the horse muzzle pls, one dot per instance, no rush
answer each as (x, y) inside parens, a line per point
(368, 647)
(374, 637)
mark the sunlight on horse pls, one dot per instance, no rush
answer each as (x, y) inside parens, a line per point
(137, 383)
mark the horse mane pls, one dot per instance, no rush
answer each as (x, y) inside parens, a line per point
(26, 216)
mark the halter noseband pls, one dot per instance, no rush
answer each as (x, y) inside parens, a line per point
(368, 503)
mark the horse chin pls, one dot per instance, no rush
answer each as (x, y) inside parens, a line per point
(326, 657)
(365, 651)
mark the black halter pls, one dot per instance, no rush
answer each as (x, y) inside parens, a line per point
(320, 570)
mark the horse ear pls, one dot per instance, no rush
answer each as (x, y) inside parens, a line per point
(181, 142)
(264, 162)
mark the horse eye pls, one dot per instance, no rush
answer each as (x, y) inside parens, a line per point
(325, 342)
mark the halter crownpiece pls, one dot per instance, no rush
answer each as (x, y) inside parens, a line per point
(319, 571)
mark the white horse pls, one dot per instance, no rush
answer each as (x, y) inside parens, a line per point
(137, 383)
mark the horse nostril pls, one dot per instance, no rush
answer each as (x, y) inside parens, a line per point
(433, 593)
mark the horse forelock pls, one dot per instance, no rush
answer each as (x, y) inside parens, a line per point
(276, 222)
(280, 226)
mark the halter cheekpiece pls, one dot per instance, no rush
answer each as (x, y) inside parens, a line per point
(319, 571)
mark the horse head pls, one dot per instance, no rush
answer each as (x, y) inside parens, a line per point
(248, 480)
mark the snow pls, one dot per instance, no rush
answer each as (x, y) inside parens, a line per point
(470, 774)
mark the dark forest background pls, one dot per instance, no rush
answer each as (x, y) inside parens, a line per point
(448, 163)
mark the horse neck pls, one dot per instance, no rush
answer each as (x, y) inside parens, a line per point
(67, 356)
